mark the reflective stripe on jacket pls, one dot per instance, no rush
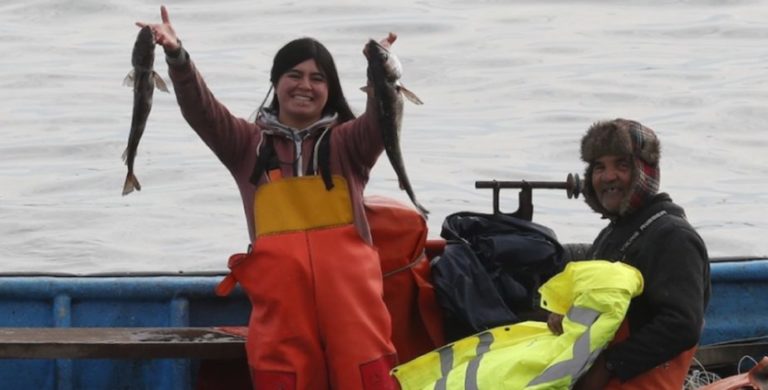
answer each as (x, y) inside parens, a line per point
(593, 295)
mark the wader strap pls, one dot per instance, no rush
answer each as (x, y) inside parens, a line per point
(324, 160)
(266, 160)
(321, 159)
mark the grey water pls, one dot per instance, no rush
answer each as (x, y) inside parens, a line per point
(509, 89)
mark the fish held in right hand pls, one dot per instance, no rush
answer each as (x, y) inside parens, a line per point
(143, 79)
(383, 73)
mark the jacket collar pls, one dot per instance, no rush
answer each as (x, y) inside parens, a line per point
(271, 125)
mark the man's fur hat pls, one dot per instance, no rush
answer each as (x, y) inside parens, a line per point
(622, 137)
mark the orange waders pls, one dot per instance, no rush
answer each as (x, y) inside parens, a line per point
(669, 375)
(318, 320)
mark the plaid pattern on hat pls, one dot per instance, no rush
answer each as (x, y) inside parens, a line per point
(644, 186)
(622, 137)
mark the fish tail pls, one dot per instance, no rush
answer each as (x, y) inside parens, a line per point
(131, 183)
(422, 209)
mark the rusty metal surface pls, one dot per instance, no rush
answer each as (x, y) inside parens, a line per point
(713, 356)
(119, 343)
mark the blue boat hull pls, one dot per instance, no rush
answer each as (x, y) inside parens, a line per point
(737, 311)
(738, 308)
(111, 301)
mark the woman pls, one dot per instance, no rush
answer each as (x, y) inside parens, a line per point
(318, 319)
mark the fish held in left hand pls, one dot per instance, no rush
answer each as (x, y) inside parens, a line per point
(143, 79)
(384, 71)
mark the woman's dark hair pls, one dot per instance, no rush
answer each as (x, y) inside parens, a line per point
(300, 50)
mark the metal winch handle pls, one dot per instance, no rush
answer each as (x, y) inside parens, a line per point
(572, 186)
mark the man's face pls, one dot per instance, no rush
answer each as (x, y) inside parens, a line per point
(611, 176)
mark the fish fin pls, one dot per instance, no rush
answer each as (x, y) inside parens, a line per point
(367, 89)
(125, 154)
(131, 183)
(129, 79)
(411, 96)
(159, 83)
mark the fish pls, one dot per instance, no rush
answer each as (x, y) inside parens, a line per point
(143, 79)
(384, 72)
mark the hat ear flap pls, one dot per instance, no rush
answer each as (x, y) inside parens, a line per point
(644, 186)
(646, 145)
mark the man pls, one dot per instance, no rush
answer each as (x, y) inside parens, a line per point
(655, 344)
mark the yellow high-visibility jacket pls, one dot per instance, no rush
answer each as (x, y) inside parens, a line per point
(594, 297)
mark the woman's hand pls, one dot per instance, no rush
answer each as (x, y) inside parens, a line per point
(388, 41)
(164, 33)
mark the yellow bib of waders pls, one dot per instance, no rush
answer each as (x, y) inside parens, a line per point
(593, 295)
(318, 319)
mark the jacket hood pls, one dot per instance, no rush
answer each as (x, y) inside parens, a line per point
(623, 137)
(271, 125)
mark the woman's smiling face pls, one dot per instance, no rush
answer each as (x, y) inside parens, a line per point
(302, 93)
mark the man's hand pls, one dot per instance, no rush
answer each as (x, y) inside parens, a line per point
(596, 378)
(555, 323)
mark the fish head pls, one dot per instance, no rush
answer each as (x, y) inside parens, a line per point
(146, 35)
(390, 63)
(374, 49)
(144, 49)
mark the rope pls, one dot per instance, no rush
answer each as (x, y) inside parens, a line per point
(698, 378)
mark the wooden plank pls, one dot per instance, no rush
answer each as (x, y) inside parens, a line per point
(119, 343)
(713, 356)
